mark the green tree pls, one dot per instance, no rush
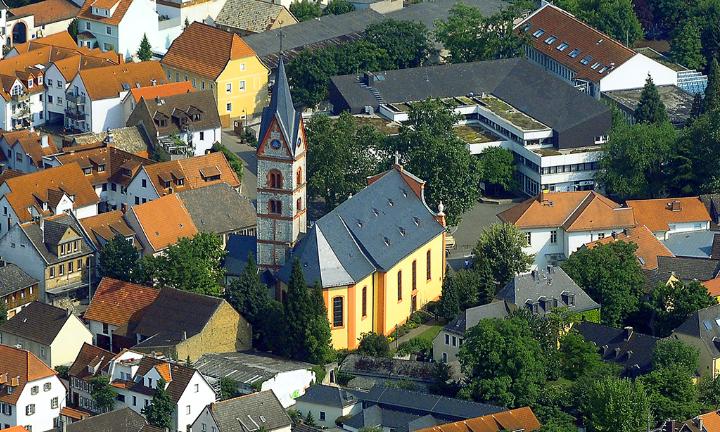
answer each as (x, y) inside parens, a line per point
(305, 10)
(701, 148)
(686, 46)
(374, 345)
(674, 353)
(233, 160)
(449, 306)
(247, 294)
(578, 356)
(633, 160)
(710, 393)
(711, 102)
(144, 52)
(612, 276)
(614, 404)
(267, 337)
(614, 17)
(650, 108)
(338, 7)
(63, 372)
(228, 388)
(696, 108)
(668, 14)
(192, 264)
(159, 412)
(309, 419)
(674, 302)
(73, 29)
(119, 260)
(102, 393)
(318, 336)
(497, 166)
(503, 363)
(672, 393)
(500, 250)
(406, 42)
(416, 345)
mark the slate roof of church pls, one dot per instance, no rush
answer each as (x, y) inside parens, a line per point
(375, 229)
(281, 107)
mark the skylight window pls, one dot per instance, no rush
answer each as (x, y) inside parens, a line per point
(538, 33)
(574, 53)
(562, 46)
(585, 60)
(603, 69)
(550, 40)
(595, 65)
(526, 27)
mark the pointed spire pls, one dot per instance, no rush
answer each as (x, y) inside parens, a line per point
(281, 108)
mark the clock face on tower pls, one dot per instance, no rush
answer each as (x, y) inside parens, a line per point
(275, 144)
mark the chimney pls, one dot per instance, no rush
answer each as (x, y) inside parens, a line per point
(700, 425)
(628, 331)
(614, 235)
(120, 59)
(44, 141)
(68, 312)
(605, 350)
(675, 206)
(153, 82)
(440, 215)
(617, 352)
(42, 227)
(184, 335)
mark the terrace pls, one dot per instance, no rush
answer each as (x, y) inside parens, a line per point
(509, 113)
(475, 134)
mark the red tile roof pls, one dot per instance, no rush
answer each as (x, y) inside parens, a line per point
(117, 16)
(48, 11)
(659, 214)
(117, 302)
(191, 171)
(110, 81)
(164, 221)
(162, 90)
(649, 248)
(17, 368)
(31, 143)
(519, 419)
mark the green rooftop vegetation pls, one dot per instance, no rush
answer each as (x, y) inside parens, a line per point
(509, 113)
(380, 124)
(474, 134)
(547, 152)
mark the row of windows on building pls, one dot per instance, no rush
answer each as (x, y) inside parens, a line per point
(453, 340)
(275, 178)
(338, 306)
(15, 297)
(586, 166)
(30, 408)
(72, 266)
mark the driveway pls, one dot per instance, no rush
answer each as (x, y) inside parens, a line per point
(247, 154)
(473, 223)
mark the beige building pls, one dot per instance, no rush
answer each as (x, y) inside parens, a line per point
(245, 17)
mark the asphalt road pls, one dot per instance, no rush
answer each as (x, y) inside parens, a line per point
(247, 154)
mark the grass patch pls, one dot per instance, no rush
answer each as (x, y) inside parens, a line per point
(430, 333)
(511, 114)
(474, 134)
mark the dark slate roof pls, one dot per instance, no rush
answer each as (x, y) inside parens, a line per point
(281, 108)
(246, 367)
(400, 421)
(470, 317)
(538, 285)
(13, 278)
(696, 244)
(122, 420)
(634, 352)
(517, 81)
(238, 248)
(38, 322)
(686, 269)
(243, 413)
(375, 229)
(678, 103)
(449, 409)
(90, 355)
(328, 396)
(174, 312)
(46, 242)
(704, 325)
(218, 208)
(176, 107)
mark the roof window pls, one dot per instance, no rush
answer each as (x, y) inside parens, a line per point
(574, 53)
(563, 46)
(538, 33)
(550, 40)
(595, 65)
(585, 60)
(603, 69)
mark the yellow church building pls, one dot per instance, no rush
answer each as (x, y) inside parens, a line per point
(218, 60)
(378, 256)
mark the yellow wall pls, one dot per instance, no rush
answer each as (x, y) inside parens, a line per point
(354, 323)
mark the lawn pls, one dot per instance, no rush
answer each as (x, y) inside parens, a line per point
(430, 333)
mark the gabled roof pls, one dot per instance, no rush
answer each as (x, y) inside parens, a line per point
(38, 322)
(120, 420)
(555, 22)
(46, 240)
(90, 356)
(253, 16)
(24, 366)
(218, 208)
(205, 50)
(13, 278)
(106, 226)
(649, 248)
(246, 367)
(705, 326)
(111, 81)
(658, 214)
(119, 303)
(164, 221)
(697, 244)
(180, 376)
(573, 211)
(113, 162)
(518, 419)
(625, 346)
(471, 317)
(687, 269)
(375, 229)
(250, 413)
(329, 396)
(282, 110)
(47, 11)
(31, 143)
(178, 107)
(161, 90)
(117, 16)
(191, 171)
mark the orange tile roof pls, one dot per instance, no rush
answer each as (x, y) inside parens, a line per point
(190, 170)
(27, 190)
(116, 302)
(658, 214)
(106, 226)
(164, 221)
(107, 82)
(163, 370)
(648, 246)
(69, 67)
(48, 11)
(113, 159)
(567, 29)
(205, 50)
(573, 211)
(117, 16)
(18, 363)
(60, 40)
(74, 413)
(15, 429)
(511, 420)
(162, 90)
(31, 143)
(713, 287)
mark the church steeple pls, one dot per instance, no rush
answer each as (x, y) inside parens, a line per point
(282, 109)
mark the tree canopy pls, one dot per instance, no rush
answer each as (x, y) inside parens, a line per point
(119, 260)
(103, 393)
(338, 7)
(498, 169)
(500, 251)
(304, 10)
(672, 303)
(686, 46)
(613, 17)
(374, 345)
(614, 404)
(144, 52)
(159, 412)
(650, 108)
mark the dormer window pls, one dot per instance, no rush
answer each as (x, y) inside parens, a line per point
(126, 172)
(40, 80)
(101, 168)
(180, 182)
(87, 171)
(30, 83)
(166, 183)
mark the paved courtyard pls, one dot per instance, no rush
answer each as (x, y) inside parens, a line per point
(247, 154)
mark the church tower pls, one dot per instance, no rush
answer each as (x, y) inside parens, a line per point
(281, 181)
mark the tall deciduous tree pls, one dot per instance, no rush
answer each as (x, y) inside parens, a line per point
(674, 302)
(711, 102)
(614, 17)
(338, 7)
(304, 10)
(144, 52)
(650, 108)
(614, 404)
(686, 46)
(498, 169)
(500, 249)
(119, 259)
(159, 412)
(612, 276)
(406, 42)
(102, 393)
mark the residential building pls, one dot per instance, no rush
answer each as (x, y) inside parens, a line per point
(702, 330)
(164, 178)
(160, 224)
(182, 125)
(694, 244)
(130, 139)
(31, 394)
(220, 61)
(678, 103)
(515, 419)
(649, 248)
(158, 91)
(114, 310)
(108, 169)
(56, 252)
(288, 379)
(52, 334)
(104, 227)
(135, 378)
(327, 403)
(91, 362)
(120, 420)
(447, 343)
(238, 248)
(35, 20)
(708, 422)
(667, 216)
(24, 149)
(260, 410)
(245, 17)
(94, 97)
(671, 269)
(17, 289)
(505, 103)
(556, 224)
(585, 57)
(625, 347)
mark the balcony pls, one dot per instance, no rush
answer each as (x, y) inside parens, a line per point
(20, 98)
(75, 113)
(20, 111)
(75, 99)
